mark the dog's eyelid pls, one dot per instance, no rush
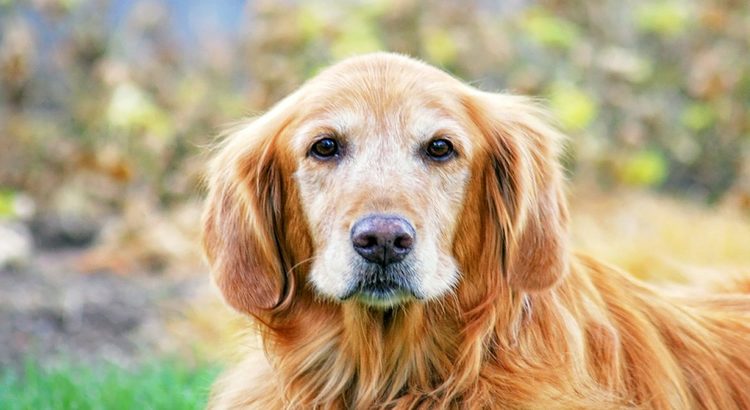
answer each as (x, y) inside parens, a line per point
(326, 134)
(452, 137)
(337, 136)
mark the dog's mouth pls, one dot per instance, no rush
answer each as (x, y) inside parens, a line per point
(382, 294)
(382, 288)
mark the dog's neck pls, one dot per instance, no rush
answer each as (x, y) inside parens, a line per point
(521, 349)
(582, 344)
(417, 353)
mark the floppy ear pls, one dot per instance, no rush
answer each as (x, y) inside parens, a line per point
(523, 188)
(243, 229)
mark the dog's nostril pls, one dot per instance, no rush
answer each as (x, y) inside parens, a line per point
(404, 242)
(364, 241)
(383, 239)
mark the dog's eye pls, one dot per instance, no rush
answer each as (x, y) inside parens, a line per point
(439, 149)
(325, 148)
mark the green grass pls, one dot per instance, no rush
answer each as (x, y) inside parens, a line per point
(157, 385)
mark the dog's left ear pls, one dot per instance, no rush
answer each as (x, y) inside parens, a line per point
(244, 226)
(523, 187)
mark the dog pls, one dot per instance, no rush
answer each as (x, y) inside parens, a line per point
(400, 239)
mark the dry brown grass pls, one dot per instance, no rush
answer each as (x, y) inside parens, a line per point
(662, 239)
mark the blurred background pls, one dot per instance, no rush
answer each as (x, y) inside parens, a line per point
(107, 108)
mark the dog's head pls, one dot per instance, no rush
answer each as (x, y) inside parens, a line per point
(383, 180)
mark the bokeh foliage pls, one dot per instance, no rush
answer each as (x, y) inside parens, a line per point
(105, 101)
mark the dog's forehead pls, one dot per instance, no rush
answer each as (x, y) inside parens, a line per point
(383, 83)
(357, 120)
(382, 95)
(380, 68)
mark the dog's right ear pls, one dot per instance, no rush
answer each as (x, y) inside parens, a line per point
(243, 229)
(524, 188)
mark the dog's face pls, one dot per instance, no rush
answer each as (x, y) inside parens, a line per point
(371, 176)
(382, 170)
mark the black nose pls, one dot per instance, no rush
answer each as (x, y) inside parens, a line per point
(383, 239)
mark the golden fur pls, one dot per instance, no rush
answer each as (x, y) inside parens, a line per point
(511, 317)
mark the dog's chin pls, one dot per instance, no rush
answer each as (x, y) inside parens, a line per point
(382, 287)
(383, 298)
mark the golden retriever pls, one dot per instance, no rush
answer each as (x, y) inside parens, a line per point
(401, 240)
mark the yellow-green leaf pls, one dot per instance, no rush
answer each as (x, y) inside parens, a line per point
(550, 30)
(7, 208)
(358, 35)
(310, 22)
(573, 107)
(645, 168)
(667, 18)
(698, 116)
(440, 47)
